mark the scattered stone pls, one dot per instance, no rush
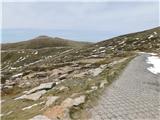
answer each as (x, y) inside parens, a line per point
(103, 51)
(56, 72)
(100, 48)
(43, 86)
(9, 113)
(8, 87)
(41, 74)
(63, 88)
(67, 69)
(89, 91)
(51, 100)
(79, 100)
(34, 96)
(80, 75)
(40, 117)
(151, 36)
(95, 56)
(1, 101)
(95, 72)
(63, 76)
(17, 76)
(29, 107)
(102, 84)
(75, 65)
(10, 83)
(94, 87)
(67, 103)
(58, 113)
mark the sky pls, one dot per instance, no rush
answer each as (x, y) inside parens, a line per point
(81, 21)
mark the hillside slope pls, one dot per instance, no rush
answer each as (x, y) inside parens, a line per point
(32, 73)
(42, 42)
(145, 41)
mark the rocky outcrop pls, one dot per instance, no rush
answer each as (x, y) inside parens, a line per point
(44, 86)
(40, 117)
(34, 96)
(97, 71)
(51, 100)
(61, 111)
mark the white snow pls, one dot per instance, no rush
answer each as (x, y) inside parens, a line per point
(155, 61)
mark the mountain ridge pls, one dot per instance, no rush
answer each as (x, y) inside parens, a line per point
(42, 42)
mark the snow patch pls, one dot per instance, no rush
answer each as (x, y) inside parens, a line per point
(155, 61)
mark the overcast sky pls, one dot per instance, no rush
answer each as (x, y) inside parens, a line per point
(84, 21)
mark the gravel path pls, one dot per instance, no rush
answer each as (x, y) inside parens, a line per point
(135, 95)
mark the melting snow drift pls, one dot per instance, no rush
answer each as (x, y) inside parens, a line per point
(155, 61)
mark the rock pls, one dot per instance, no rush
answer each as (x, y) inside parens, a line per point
(1, 101)
(61, 112)
(80, 75)
(96, 71)
(67, 69)
(8, 87)
(10, 82)
(94, 87)
(63, 88)
(79, 100)
(63, 76)
(102, 84)
(67, 103)
(43, 86)
(51, 100)
(56, 72)
(87, 65)
(16, 76)
(41, 74)
(58, 113)
(75, 65)
(40, 117)
(34, 96)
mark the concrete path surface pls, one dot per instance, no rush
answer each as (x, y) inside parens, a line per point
(135, 95)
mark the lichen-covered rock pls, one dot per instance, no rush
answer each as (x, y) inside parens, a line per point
(43, 86)
(40, 117)
(34, 96)
(58, 113)
(51, 100)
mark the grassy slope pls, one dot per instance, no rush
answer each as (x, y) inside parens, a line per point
(42, 42)
(135, 41)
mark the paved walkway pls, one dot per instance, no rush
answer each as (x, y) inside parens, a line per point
(134, 96)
